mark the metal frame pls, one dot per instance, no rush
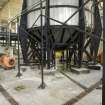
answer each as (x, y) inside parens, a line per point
(41, 39)
(48, 33)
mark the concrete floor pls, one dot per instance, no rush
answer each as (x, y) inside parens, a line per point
(94, 98)
(3, 101)
(59, 89)
(87, 79)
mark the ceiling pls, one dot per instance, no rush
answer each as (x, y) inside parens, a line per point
(2, 3)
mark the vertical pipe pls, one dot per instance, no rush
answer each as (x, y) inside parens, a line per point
(42, 86)
(67, 55)
(47, 23)
(9, 35)
(81, 35)
(92, 17)
(103, 95)
(6, 36)
(19, 72)
(9, 27)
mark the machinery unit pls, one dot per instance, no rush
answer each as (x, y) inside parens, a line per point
(64, 24)
(7, 59)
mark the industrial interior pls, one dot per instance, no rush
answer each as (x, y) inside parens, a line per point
(51, 52)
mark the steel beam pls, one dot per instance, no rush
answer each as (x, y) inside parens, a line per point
(47, 24)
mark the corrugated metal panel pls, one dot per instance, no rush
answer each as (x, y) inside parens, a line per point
(61, 13)
(32, 18)
(64, 2)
